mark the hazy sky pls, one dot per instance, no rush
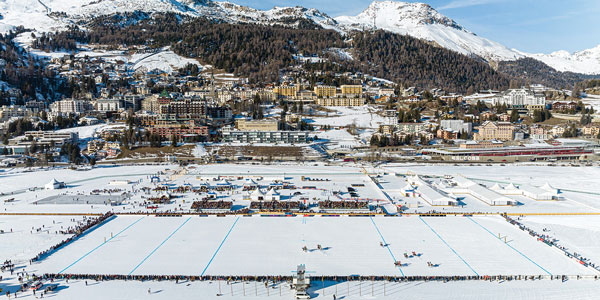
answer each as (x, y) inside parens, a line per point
(527, 25)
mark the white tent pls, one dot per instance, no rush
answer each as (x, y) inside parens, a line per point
(430, 194)
(511, 187)
(536, 193)
(223, 182)
(257, 195)
(496, 187)
(250, 182)
(487, 195)
(550, 188)
(54, 185)
(272, 195)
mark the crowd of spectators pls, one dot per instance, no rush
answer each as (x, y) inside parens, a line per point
(548, 240)
(77, 231)
(207, 204)
(105, 191)
(163, 199)
(275, 206)
(351, 204)
(289, 278)
(183, 189)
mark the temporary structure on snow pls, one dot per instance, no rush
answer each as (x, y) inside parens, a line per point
(223, 182)
(54, 185)
(272, 195)
(257, 195)
(469, 187)
(536, 193)
(513, 189)
(526, 190)
(249, 182)
(550, 188)
(430, 194)
(496, 187)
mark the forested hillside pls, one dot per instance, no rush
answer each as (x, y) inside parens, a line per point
(26, 73)
(260, 51)
(535, 71)
(406, 59)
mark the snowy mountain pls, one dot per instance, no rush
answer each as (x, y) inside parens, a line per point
(585, 61)
(52, 15)
(415, 19)
(240, 13)
(422, 21)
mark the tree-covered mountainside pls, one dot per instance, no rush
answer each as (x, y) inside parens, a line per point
(534, 71)
(260, 51)
(26, 73)
(405, 59)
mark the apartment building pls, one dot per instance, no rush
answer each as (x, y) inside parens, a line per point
(323, 91)
(520, 98)
(269, 137)
(70, 106)
(340, 101)
(286, 90)
(502, 131)
(256, 125)
(351, 89)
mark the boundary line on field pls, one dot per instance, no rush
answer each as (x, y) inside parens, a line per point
(450, 247)
(507, 244)
(160, 245)
(221, 245)
(386, 244)
(105, 242)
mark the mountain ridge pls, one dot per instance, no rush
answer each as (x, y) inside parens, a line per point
(415, 19)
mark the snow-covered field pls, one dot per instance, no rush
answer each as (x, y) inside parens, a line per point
(563, 177)
(166, 61)
(89, 131)
(263, 245)
(130, 290)
(592, 101)
(339, 138)
(273, 245)
(580, 234)
(362, 117)
(579, 191)
(26, 236)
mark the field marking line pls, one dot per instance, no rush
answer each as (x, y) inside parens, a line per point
(90, 252)
(160, 245)
(450, 247)
(221, 245)
(507, 244)
(386, 244)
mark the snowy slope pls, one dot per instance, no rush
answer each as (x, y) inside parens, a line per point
(585, 61)
(415, 19)
(166, 61)
(239, 13)
(51, 15)
(422, 21)
(28, 13)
